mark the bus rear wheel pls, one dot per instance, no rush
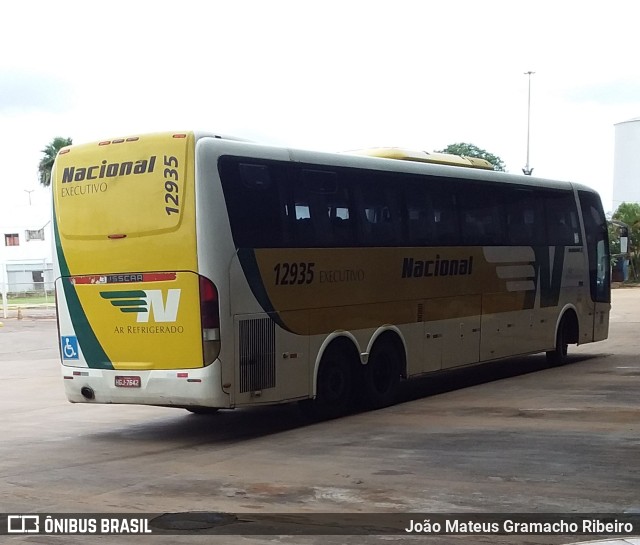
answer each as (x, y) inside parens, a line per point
(382, 375)
(334, 386)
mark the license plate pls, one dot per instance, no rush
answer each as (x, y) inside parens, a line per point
(128, 382)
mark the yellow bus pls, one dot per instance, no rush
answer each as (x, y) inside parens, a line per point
(204, 272)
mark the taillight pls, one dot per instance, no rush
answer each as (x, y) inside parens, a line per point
(209, 304)
(210, 320)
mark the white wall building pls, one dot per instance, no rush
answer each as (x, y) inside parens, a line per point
(26, 246)
(626, 163)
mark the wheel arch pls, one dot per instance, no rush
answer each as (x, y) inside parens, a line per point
(335, 339)
(569, 313)
(392, 334)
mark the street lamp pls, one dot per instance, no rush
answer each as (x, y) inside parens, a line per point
(527, 169)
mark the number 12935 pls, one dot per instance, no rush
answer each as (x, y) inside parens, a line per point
(171, 197)
(289, 274)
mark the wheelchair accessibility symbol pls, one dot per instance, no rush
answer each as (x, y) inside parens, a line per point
(70, 348)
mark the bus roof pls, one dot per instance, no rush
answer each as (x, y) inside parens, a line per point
(385, 161)
(398, 159)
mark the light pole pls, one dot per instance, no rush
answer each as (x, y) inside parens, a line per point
(527, 169)
(29, 191)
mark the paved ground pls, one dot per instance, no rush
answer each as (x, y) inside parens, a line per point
(518, 437)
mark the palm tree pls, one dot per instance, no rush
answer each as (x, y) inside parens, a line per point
(49, 156)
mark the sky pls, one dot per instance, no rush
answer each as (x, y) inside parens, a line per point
(325, 75)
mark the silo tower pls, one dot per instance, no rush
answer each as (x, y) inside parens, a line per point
(626, 163)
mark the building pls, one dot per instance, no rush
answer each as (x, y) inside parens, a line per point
(626, 163)
(26, 247)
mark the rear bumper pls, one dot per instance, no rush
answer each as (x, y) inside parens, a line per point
(180, 388)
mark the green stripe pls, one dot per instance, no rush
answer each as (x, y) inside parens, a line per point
(128, 303)
(122, 294)
(249, 264)
(91, 348)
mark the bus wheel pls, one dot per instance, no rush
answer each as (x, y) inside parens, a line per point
(334, 386)
(559, 355)
(382, 375)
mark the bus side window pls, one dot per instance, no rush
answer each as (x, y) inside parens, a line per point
(378, 212)
(443, 215)
(430, 212)
(483, 216)
(418, 214)
(253, 203)
(302, 232)
(303, 225)
(525, 218)
(563, 228)
(329, 208)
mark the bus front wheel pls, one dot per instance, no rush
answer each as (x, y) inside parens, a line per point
(558, 356)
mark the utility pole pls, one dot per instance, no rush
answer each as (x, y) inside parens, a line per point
(527, 169)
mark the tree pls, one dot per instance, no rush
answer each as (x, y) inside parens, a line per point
(469, 150)
(629, 213)
(49, 156)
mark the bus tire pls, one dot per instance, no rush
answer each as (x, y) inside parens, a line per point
(334, 386)
(382, 375)
(558, 356)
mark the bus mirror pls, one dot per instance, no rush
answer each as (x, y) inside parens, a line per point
(624, 242)
(623, 232)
